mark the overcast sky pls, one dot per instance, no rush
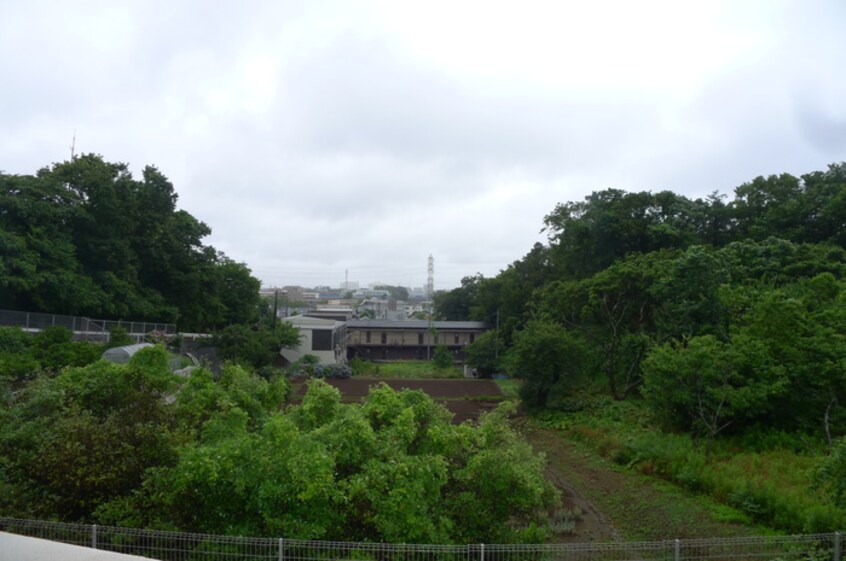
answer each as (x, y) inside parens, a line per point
(319, 137)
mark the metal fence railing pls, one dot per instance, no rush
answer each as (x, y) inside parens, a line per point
(179, 546)
(81, 325)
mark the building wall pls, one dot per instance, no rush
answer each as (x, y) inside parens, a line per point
(408, 337)
(337, 354)
(374, 343)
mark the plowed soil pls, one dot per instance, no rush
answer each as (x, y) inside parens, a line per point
(466, 399)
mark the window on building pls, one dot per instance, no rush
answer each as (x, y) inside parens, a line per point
(384, 338)
(366, 336)
(472, 337)
(456, 339)
(419, 338)
(321, 340)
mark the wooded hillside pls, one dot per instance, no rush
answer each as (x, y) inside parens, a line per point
(723, 314)
(86, 238)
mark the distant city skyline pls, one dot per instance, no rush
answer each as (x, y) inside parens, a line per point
(408, 275)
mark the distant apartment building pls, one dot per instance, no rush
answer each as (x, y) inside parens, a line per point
(336, 312)
(377, 308)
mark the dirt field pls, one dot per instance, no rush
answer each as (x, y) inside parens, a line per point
(461, 397)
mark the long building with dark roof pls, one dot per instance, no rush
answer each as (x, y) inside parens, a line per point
(410, 339)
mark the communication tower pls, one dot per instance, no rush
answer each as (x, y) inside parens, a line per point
(430, 281)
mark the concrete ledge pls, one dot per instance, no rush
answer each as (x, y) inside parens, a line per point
(22, 548)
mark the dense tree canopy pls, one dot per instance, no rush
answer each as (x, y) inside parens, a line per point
(723, 313)
(85, 237)
(137, 445)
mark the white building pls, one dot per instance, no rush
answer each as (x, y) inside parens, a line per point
(324, 338)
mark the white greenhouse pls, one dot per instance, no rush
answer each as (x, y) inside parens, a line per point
(121, 355)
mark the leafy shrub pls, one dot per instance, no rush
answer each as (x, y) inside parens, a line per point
(332, 371)
(442, 357)
(361, 367)
(23, 355)
(830, 474)
(255, 346)
(309, 367)
(119, 337)
(391, 469)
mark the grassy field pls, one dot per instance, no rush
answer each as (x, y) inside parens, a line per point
(410, 369)
(509, 387)
(764, 478)
(633, 506)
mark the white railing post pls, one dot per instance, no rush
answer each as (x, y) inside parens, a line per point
(837, 547)
(676, 550)
(481, 552)
(94, 536)
(281, 549)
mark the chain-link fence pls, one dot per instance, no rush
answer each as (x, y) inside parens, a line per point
(83, 326)
(179, 546)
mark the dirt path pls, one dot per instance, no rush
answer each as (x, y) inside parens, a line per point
(619, 504)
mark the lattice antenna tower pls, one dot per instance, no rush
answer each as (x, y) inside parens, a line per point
(430, 280)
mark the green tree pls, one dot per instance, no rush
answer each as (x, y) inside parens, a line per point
(256, 346)
(390, 469)
(71, 442)
(705, 386)
(550, 360)
(483, 353)
(688, 297)
(442, 358)
(86, 238)
(586, 237)
(456, 304)
(614, 312)
(503, 301)
(397, 292)
(119, 337)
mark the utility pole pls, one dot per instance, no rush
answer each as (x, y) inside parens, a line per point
(496, 341)
(430, 281)
(275, 306)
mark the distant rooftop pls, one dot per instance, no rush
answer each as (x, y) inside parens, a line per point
(415, 324)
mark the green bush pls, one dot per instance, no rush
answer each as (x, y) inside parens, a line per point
(23, 355)
(391, 469)
(119, 337)
(442, 358)
(361, 367)
(254, 346)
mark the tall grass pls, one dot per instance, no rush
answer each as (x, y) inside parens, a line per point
(765, 475)
(408, 369)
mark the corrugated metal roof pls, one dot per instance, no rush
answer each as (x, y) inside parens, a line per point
(308, 321)
(414, 324)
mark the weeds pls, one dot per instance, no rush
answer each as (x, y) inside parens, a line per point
(407, 369)
(763, 476)
(563, 521)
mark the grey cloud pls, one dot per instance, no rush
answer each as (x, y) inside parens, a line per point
(358, 97)
(367, 158)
